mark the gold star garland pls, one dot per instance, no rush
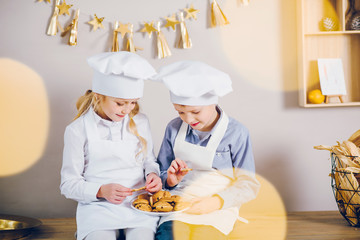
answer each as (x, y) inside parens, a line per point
(171, 22)
(191, 12)
(96, 22)
(149, 28)
(217, 19)
(123, 29)
(64, 8)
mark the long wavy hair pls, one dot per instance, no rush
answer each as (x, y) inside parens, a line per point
(89, 99)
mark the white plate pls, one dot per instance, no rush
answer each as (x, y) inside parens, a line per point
(156, 213)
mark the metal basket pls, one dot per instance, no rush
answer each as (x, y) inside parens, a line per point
(346, 191)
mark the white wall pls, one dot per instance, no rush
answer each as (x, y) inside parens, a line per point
(258, 50)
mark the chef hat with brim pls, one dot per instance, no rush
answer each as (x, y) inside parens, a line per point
(120, 74)
(194, 83)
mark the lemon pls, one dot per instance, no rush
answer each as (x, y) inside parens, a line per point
(315, 96)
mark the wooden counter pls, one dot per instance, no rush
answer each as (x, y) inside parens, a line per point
(298, 225)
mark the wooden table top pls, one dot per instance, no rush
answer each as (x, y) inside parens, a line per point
(296, 225)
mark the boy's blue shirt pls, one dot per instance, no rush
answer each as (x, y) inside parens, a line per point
(234, 150)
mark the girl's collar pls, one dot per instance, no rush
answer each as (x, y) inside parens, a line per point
(106, 122)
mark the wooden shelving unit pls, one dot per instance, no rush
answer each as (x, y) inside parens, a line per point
(314, 43)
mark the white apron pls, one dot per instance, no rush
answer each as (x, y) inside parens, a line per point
(203, 180)
(111, 162)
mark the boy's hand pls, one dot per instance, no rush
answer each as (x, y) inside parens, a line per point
(114, 193)
(205, 205)
(174, 173)
(153, 183)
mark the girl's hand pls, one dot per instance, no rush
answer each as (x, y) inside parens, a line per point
(114, 193)
(174, 173)
(205, 205)
(153, 183)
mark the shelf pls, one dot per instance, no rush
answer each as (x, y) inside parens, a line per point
(325, 105)
(332, 33)
(313, 43)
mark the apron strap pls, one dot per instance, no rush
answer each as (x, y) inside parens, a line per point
(90, 125)
(219, 132)
(215, 138)
(181, 136)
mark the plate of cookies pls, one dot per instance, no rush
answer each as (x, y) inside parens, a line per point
(161, 203)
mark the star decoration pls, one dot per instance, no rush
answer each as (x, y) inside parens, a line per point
(191, 12)
(96, 22)
(64, 8)
(171, 22)
(149, 28)
(123, 29)
(45, 0)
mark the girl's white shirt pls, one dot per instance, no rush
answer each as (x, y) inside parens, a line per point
(75, 153)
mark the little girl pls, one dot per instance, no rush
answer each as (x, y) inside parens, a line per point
(217, 149)
(108, 151)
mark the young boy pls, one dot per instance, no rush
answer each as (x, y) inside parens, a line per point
(217, 149)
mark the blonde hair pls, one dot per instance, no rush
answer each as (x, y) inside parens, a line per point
(89, 99)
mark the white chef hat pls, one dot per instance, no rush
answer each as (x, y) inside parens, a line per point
(120, 74)
(194, 83)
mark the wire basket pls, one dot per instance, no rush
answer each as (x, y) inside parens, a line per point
(345, 185)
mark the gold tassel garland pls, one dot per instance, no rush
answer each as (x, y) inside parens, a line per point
(130, 47)
(162, 45)
(184, 41)
(73, 28)
(115, 45)
(217, 19)
(217, 16)
(244, 2)
(54, 23)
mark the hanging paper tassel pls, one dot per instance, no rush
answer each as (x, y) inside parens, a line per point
(54, 23)
(73, 28)
(115, 45)
(163, 47)
(130, 47)
(217, 16)
(184, 41)
(244, 2)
